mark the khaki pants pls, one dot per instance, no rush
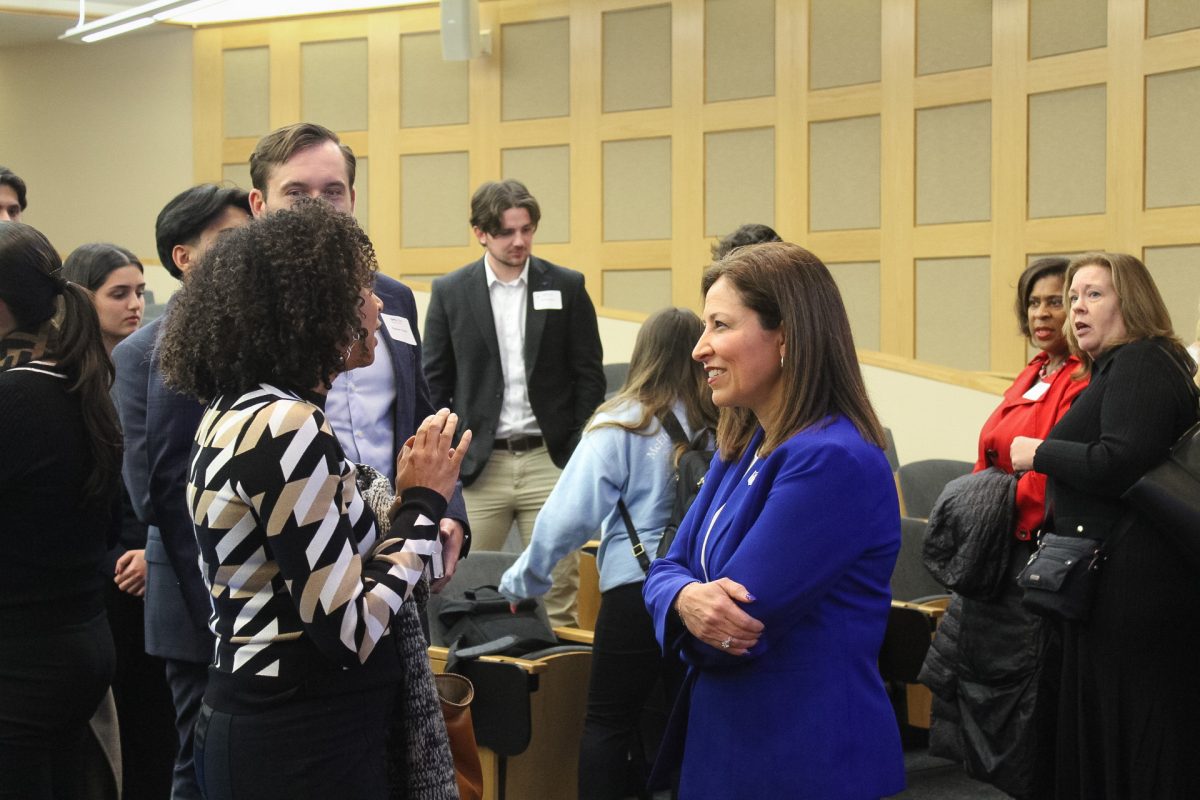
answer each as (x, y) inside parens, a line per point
(513, 486)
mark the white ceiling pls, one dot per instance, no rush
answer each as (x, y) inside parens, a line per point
(32, 22)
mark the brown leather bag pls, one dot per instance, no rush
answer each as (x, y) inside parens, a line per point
(455, 693)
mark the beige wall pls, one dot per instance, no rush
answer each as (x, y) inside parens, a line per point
(914, 407)
(102, 134)
(940, 141)
(113, 133)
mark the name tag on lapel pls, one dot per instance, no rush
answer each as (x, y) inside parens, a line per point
(398, 328)
(1037, 391)
(548, 300)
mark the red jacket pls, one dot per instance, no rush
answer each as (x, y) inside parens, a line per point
(1019, 416)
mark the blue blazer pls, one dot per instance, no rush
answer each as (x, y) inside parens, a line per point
(812, 531)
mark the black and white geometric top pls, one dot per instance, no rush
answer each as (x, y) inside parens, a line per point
(298, 581)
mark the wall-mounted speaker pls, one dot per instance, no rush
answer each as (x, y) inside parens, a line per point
(460, 30)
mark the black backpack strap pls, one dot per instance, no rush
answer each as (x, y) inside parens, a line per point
(671, 425)
(639, 550)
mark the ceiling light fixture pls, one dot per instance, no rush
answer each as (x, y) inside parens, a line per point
(212, 12)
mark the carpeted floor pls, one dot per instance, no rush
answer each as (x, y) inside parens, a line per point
(932, 778)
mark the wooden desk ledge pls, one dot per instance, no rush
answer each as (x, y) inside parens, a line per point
(935, 609)
(438, 656)
(575, 635)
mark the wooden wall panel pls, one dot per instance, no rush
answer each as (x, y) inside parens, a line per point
(953, 35)
(859, 284)
(1172, 139)
(637, 189)
(739, 185)
(536, 69)
(844, 164)
(1066, 26)
(433, 91)
(739, 49)
(1170, 16)
(844, 36)
(637, 59)
(546, 173)
(856, 127)
(1067, 141)
(247, 93)
(333, 83)
(954, 163)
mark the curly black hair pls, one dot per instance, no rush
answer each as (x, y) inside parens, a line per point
(274, 302)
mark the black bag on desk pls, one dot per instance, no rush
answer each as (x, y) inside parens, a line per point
(1061, 577)
(483, 619)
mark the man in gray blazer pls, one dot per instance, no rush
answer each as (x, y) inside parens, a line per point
(512, 346)
(159, 427)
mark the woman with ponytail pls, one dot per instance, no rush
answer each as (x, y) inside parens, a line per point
(60, 455)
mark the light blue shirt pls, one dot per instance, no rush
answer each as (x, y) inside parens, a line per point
(609, 464)
(360, 409)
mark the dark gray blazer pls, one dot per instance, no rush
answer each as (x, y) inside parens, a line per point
(563, 358)
(159, 427)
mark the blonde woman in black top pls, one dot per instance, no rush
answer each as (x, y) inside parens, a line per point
(1129, 712)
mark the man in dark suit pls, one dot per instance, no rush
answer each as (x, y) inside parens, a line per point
(159, 427)
(512, 346)
(373, 409)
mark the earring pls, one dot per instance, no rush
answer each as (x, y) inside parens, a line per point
(781, 362)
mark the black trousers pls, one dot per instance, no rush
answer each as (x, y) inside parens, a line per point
(187, 681)
(50, 685)
(627, 668)
(144, 708)
(323, 747)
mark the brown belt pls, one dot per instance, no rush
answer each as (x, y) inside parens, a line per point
(519, 444)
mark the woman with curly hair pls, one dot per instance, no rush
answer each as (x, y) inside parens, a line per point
(60, 462)
(304, 587)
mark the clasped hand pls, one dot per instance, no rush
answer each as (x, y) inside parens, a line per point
(1023, 449)
(429, 458)
(712, 613)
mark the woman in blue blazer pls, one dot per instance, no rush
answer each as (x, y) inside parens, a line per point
(775, 591)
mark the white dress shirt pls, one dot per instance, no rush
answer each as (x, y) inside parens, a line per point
(508, 313)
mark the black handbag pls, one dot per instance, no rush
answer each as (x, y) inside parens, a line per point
(1168, 495)
(1061, 576)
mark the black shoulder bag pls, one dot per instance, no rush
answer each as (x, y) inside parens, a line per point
(1061, 576)
(1168, 495)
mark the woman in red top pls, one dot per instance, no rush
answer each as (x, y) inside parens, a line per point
(1001, 721)
(1042, 392)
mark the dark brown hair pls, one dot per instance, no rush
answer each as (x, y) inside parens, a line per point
(281, 144)
(788, 287)
(493, 198)
(750, 233)
(11, 179)
(90, 264)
